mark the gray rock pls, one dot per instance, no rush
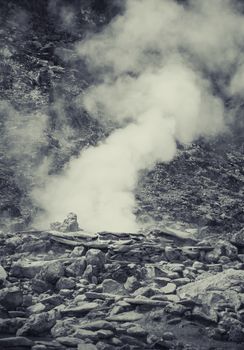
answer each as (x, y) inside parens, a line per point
(146, 301)
(131, 284)
(221, 281)
(27, 268)
(168, 336)
(175, 309)
(51, 344)
(77, 252)
(169, 288)
(148, 291)
(136, 331)
(198, 265)
(63, 327)
(129, 316)
(191, 252)
(77, 268)
(52, 301)
(38, 324)
(86, 334)
(238, 238)
(205, 312)
(222, 248)
(11, 298)
(96, 325)
(65, 283)
(52, 272)
(96, 259)
(70, 224)
(15, 342)
(70, 341)
(175, 267)
(39, 347)
(111, 286)
(11, 325)
(40, 286)
(181, 281)
(88, 273)
(214, 292)
(36, 309)
(79, 310)
(172, 254)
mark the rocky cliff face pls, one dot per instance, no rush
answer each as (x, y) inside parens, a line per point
(38, 85)
(42, 126)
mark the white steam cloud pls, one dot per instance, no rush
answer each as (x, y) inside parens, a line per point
(154, 65)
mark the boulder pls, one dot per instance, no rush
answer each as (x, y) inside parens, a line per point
(52, 272)
(111, 286)
(65, 283)
(213, 293)
(77, 268)
(221, 281)
(11, 298)
(70, 224)
(172, 254)
(63, 327)
(38, 323)
(95, 258)
(26, 268)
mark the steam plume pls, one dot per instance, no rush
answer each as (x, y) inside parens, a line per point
(156, 65)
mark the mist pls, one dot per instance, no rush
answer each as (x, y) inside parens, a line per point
(157, 65)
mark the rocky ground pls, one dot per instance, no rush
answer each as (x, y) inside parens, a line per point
(158, 289)
(178, 284)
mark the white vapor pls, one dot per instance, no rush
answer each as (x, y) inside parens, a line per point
(154, 65)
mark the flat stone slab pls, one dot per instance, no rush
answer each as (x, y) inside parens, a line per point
(130, 316)
(221, 281)
(79, 310)
(146, 301)
(17, 342)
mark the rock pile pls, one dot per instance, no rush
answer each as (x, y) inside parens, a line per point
(120, 291)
